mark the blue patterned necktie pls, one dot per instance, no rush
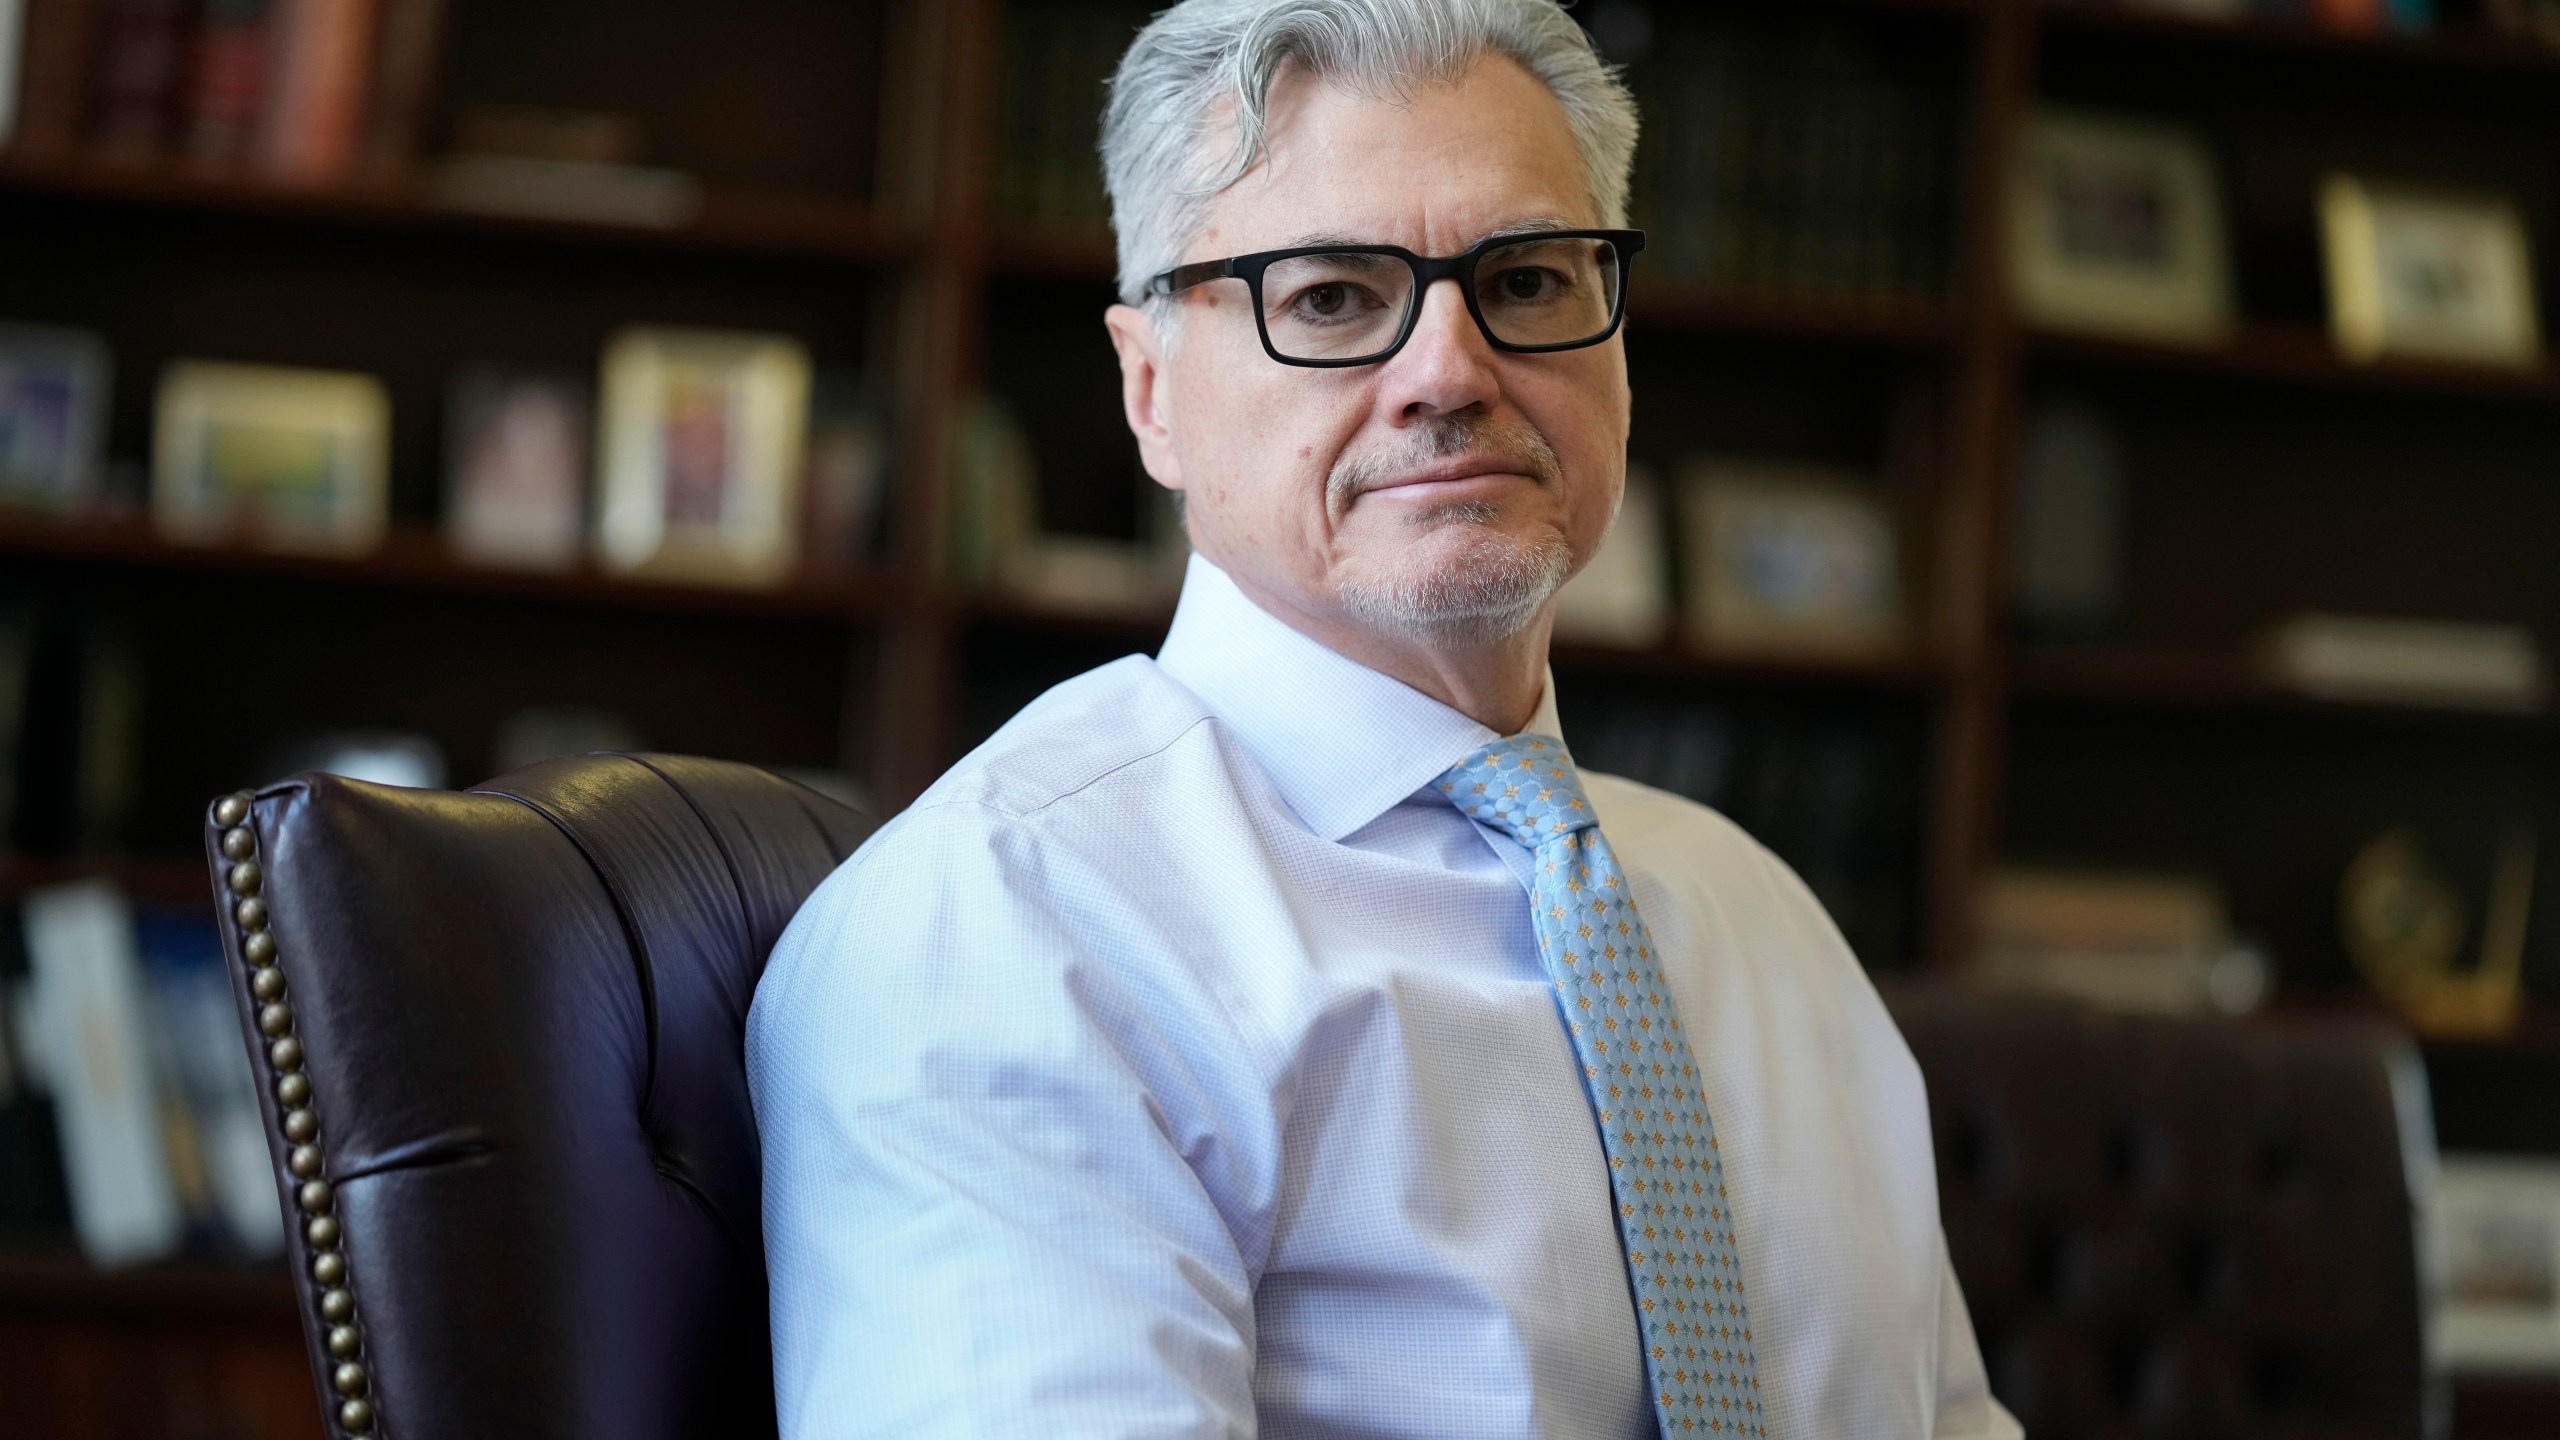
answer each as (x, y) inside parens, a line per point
(1663, 1160)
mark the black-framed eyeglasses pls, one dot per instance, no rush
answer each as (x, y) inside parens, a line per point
(1337, 305)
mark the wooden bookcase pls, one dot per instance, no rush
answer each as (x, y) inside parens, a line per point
(845, 154)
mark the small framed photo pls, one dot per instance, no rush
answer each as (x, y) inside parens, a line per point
(296, 459)
(2437, 274)
(1787, 555)
(516, 467)
(53, 417)
(700, 438)
(2118, 229)
(2498, 1224)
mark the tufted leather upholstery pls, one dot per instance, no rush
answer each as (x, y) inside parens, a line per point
(519, 1012)
(2179, 1228)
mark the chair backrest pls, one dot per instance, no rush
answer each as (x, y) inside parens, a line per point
(499, 1041)
(2181, 1228)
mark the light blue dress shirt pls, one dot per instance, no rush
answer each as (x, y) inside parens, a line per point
(1182, 1064)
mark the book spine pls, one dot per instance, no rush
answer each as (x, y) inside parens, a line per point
(315, 109)
(227, 80)
(409, 44)
(53, 41)
(136, 70)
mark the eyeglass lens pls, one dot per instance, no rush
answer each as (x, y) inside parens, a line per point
(1348, 306)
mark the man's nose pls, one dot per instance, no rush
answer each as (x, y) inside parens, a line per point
(1446, 365)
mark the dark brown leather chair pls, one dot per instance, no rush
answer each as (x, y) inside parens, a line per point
(499, 1040)
(2182, 1228)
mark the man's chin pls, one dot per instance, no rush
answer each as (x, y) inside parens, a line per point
(1460, 584)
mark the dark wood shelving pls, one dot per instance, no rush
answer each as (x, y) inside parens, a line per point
(2206, 681)
(1690, 308)
(2458, 52)
(416, 557)
(2300, 356)
(60, 1283)
(159, 879)
(728, 220)
(1901, 669)
(1028, 252)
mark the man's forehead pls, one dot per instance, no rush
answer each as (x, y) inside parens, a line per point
(1439, 167)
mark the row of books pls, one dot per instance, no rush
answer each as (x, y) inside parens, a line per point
(1047, 170)
(1834, 792)
(1791, 157)
(309, 91)
(2349, 16)
(128, 1109)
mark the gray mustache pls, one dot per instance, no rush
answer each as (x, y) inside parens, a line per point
(1513, 445)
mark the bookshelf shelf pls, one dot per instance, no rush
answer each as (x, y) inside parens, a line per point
(2457, 53)
(158, 879)
(415, 557)
(1028, 252)
(55, 1282)
(2207, 681)
(2300, 356)
(727, 220)
(1903, 671)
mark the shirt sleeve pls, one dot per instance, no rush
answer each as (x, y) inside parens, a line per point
(1007, 1139)
(1966, 1409)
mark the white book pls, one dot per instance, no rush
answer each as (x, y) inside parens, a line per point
(2345, 657)
(91, 1026)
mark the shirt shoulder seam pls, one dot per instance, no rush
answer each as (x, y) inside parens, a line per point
(987, 802)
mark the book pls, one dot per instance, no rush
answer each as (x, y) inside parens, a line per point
(138, 69)
(13, 34)
(323, 58)
(227, 79)
(53, 58)
(2131, 941)
(92, 1026)
(409, 40)
(844, 484)
(80, 742)
(211, 1091)
(2341, 657)
(1793, 157)
(35, 1205)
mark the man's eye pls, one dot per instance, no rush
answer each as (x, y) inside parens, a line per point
(1523, 283)
(1331, 300)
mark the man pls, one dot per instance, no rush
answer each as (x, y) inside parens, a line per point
(1263, 1039)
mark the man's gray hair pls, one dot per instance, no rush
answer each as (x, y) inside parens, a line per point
(1205, 66)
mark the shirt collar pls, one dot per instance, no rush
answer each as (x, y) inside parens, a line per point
(1341, 742)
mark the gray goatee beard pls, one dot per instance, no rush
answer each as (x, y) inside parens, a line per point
(1495, 586)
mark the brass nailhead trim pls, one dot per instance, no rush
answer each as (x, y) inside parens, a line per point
(323, 1236)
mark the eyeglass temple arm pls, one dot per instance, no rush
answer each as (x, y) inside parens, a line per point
(1183, 277)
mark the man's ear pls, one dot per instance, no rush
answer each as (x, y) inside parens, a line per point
(1144, 391)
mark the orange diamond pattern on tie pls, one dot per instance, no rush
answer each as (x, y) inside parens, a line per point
(1663, 1158)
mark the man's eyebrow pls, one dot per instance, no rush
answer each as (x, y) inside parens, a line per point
(1528, 225)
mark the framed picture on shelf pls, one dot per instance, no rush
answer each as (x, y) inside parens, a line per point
(516, 455)
(2118, 229)
(2436, 274)
(2498, 1222)
(700, 438)
(53, 416)
(1785, 555)
(295, 459)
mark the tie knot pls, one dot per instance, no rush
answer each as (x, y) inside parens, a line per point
(1525, 787)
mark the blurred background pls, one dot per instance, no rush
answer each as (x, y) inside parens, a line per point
(2092, 511)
